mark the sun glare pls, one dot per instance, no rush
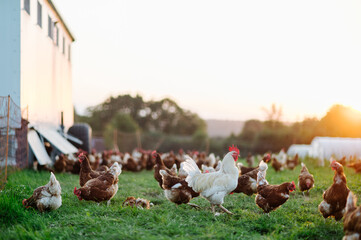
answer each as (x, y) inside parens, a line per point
(357, 108)
(355, 113)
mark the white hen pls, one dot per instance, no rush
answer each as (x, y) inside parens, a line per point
(47, 197)
(216, 185)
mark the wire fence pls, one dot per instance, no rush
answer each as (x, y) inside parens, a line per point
(127, 142)
(13, 138)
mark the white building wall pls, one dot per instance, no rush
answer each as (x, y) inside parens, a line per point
(10, 49)
(46, 74)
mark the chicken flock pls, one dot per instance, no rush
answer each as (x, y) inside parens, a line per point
(185, 176)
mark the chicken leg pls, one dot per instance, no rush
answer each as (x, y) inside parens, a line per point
(193, 205)
(213, 209)
(225, 209)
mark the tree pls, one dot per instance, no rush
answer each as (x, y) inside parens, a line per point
(341, 121)
(274, 114)
(120, 123)
(305, 131)
(250, 130)
(124, 123)
(101, 115)
(164, 115)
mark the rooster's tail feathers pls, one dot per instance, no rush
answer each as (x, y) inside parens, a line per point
(191, 168)
(261, 178)
(174, 168)
(52, 177)
(263, 166)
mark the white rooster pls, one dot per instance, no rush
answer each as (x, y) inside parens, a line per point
(216, 185)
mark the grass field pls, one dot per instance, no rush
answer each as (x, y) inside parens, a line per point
(298, 218)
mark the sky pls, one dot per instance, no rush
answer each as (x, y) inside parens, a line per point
(220, 59)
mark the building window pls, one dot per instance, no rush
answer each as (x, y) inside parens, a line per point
(27, 6)
(63, 45)
(50, 27)
(69, 52)
(57, 36)
(40, 23)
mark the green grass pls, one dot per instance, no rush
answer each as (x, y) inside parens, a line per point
(298, 218)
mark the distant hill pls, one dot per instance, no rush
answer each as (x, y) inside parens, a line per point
(223, 128)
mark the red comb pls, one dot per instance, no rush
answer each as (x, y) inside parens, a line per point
(154, 152)
(75, 190)
(333, 162)
(206, 171)
(24, 202)
(233, 148)
(293, 183)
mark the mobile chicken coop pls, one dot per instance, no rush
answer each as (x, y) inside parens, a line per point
(303, 150)
(323, 148)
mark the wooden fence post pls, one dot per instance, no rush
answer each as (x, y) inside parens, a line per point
(139, 142)
(115, 140)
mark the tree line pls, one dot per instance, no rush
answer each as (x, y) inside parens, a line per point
(160, 123)
(273, 134)
(166, 126)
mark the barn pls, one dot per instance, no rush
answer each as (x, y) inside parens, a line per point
(36, 72)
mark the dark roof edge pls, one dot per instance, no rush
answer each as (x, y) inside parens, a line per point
(61, 19)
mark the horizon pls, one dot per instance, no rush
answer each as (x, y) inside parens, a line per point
(243, 120)
(221, 60)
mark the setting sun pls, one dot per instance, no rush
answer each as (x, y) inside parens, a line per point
(357, 108)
